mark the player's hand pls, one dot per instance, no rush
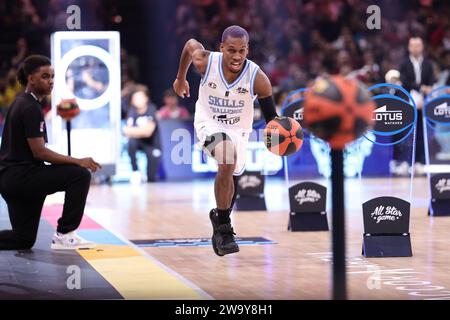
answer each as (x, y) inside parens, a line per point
(181, 88)
(89, 163)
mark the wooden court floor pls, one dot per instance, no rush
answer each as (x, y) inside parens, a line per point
(298, 266)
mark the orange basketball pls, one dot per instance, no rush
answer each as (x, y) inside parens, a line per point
(68, 109)
(338, 110)
(283, 136)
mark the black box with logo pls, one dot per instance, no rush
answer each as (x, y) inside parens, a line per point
(440, 195)
(386, 228)
(307, 207)
(250, 192)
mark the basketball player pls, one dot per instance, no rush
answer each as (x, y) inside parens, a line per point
(224, 115)
(25, 180)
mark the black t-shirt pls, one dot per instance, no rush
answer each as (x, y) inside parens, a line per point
(24, 119)
(135, 120)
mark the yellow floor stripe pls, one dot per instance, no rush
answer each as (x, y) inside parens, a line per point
(135, 276)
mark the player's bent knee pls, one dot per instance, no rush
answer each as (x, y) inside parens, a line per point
(85, 174)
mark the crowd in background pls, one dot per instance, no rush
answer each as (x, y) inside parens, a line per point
(292, 40)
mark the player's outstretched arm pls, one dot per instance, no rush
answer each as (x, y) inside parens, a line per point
(263, 89)
(193, 52)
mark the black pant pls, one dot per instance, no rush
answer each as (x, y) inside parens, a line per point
(152, 153)
(25, 188)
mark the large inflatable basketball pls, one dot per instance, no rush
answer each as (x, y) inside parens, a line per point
(338, 110)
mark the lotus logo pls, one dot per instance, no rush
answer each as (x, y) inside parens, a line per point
(298, 114)
(442, 110)
(223, 118)
(388, 116)
(394, 115)
(249, 182)
(309, 195)
(437, 111)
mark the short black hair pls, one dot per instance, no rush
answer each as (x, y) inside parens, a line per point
(30, 65)
(234, 32)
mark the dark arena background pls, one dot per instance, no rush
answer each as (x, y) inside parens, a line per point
(370, 221)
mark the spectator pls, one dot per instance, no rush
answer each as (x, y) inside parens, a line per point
(296, 55)
(129, 64)
(142, 132)
(56, 17)
(417, 77)
(22, 52)
(13, 87)
(128, 83)
(444, 76)
(171, 108)
(416, 71)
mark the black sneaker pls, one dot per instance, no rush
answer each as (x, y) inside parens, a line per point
(222, 240)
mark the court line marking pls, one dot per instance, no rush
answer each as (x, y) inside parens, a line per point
(190, 284)
(58, 199)
(376, 272)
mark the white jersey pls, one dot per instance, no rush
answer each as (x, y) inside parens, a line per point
(224, 105)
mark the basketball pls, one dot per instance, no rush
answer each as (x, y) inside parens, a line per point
(338, 110)
(283, 136)
(68, 109)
